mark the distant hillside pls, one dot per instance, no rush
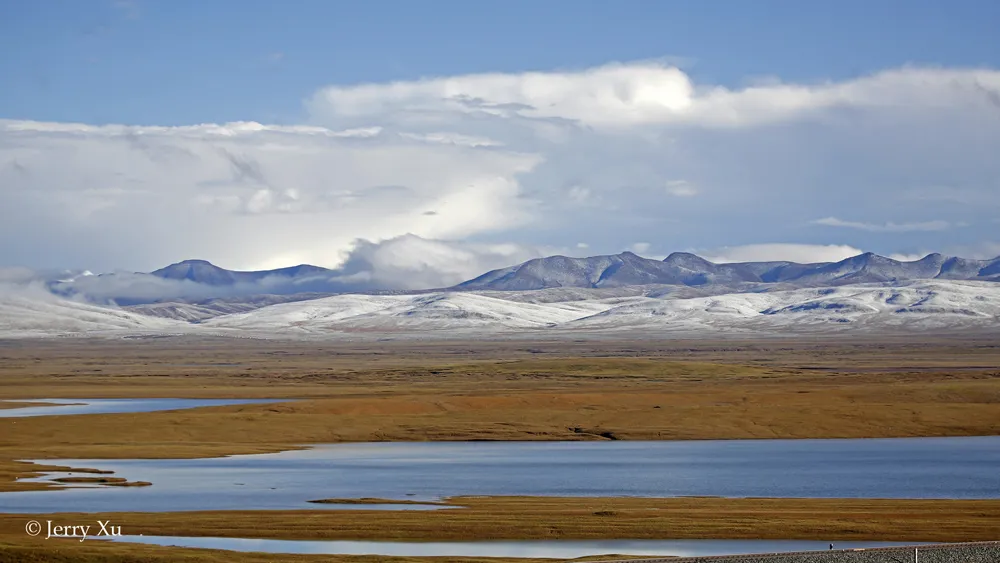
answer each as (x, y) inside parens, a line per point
(202, 271)
(205, 290)
(681, 268)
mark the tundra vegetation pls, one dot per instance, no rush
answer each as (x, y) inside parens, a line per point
(504, 390)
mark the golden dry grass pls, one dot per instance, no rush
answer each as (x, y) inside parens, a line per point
(507, 391)
(512, 518)
(40, 551)
(458, 392)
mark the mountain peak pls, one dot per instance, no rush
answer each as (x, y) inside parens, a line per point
(190, 262)
(630, 254)
(187, 264)
(680, 255)
(865, 258)
(201, 271)
(688, 260)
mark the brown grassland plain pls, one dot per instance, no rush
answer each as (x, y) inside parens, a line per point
(502, 390)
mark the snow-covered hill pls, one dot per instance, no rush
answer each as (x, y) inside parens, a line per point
(36, 314)
(204, 290)
(681, 268)
(636, 311)
(397, 313)
(198, 311)
(913, 307)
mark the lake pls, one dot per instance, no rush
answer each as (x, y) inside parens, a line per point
(966, 468)
(562, 549)
(60, 407)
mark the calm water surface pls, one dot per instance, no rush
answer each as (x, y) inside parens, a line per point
(890, 468)
(112, 406)
(533, 549)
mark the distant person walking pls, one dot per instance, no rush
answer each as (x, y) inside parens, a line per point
(831, 547)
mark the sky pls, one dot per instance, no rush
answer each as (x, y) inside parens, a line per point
(434, 140)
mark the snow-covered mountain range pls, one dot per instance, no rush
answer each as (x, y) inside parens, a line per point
(624, 294)
(199, 280)
(682, 268)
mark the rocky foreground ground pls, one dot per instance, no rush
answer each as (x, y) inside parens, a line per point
(987, 552)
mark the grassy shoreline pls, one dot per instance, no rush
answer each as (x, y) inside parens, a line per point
(503, 391)
(735, 411)
(539, 518)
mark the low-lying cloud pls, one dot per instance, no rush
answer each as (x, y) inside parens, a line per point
(889, 227)
(503, 166)
(779, 252)
(402, 263)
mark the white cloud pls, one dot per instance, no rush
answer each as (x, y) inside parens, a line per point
(640, 247)
(445, 138)
(903, 257)
(580, 195)
(18, 275)
(624, 95)
(411, 262)
(890, 227)
(610, 95)
(780, 252)
(681, 188)
(610, 155)
(402, 263)
(982, 250)
(244, 194)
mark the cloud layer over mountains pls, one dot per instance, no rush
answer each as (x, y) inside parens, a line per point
(379, 269)
(427, 183)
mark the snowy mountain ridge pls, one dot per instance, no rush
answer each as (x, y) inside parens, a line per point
(199, 281)
(681, 268)
(623, 294)
(936, 306)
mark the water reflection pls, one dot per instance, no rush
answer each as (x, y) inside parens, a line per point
(564, 549)
(60, 407)
(899, 468)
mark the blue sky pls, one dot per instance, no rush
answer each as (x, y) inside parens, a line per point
(435, 140)
(174, 62)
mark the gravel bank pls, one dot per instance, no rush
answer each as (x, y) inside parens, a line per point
(986, 552)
